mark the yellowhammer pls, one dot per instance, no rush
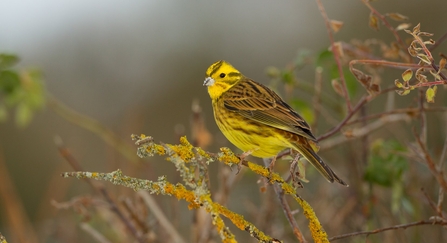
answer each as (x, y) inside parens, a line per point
(254, 118)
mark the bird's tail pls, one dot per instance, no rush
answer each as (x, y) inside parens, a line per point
(307, 151)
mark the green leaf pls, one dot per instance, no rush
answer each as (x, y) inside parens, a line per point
(325, 58)
(287, 76)
(386, 163)
(8, 60)
(430, 94)
(407, 75)
(9, 81)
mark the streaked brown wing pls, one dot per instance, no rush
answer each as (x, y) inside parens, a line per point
(259, 103)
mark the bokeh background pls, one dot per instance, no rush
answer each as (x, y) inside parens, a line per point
(137, 67)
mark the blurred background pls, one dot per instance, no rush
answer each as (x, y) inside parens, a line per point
(136, 67)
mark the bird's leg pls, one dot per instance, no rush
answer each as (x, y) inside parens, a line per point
(292, 169)
(242, 158)
(272, 163)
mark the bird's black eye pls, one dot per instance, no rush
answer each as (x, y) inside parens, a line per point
(222, 75)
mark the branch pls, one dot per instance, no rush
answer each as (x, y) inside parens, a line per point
(431, 164)
(354, 110)
(435, 221)
(286, 209)
(336, 55)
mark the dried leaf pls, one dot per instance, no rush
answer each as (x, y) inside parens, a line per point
(429, 42)
(417, 28)
(425, 34)
(403, 26)
(349, 133)
(422, 78)
(435, 75)
(424, 58)
(397, 16)
(442, 64)
(430, 94)
(373, 21)
(374, 89)
(337, 87)
(336, 25)
(403, 92)
(412, 51)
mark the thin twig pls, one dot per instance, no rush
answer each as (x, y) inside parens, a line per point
(94, 233)
(362, 131)
(334, 130)
(156, 210)
(286, 208)
(410, 111)
(400, 226)
(94, 126)
(316, 100)
(113, 206)
(432, 203)
(438, 42)
(336, 55)
(388, 25)
(430, 163)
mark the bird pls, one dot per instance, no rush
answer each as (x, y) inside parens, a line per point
(257, 120)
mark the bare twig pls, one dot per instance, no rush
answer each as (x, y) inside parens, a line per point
(94, 126)
(430, 163)
(156, 210)
(286, 208)
(438, 42)
(388, 25)
(113, 206)
(362, 131)
(13, 210)
(94, 233)
(316, 100)
(395, 227)
(334, 130)
(432, 203)
(336, 55)
(410, 111)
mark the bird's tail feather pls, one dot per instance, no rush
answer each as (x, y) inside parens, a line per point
(308, 153)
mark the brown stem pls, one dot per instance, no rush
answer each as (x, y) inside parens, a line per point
(286, 208)
(395, 227)
(336, 54)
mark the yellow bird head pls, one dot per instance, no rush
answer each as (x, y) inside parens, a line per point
(220, 77)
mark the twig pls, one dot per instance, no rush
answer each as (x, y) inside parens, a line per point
(362, 101)
(438, 42)
(158, 213)
(94, 126)
(430, 163)
(94, 233)
(286, 208)
(422, 116)
(410, 111)
(432, 203)
(388, 25)
(14, 210)
(113, 207)
(362, 131)
(336, 55)
(400, 226)
(316, 100)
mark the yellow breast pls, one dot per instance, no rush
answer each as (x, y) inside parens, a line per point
(261, 140)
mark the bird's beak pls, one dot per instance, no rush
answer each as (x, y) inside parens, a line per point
(208, 82)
